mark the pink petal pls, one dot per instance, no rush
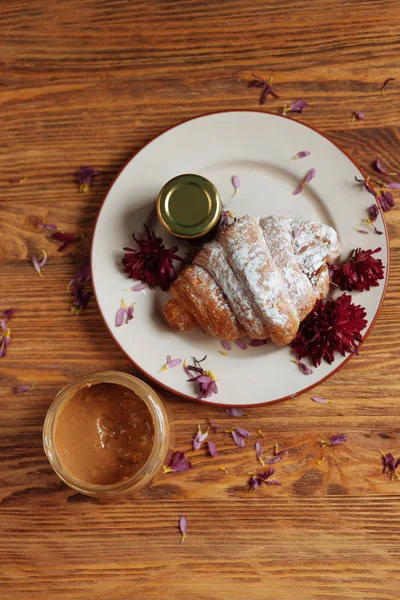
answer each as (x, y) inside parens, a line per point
(393, 186)
(236, 183)
(242, 432)
(214, 426)
(319, 399)
(241, 344)
(239, 441)
(139, 287)
(212, 448)
(234, 412)
(303, 368)
(20, 389)
(183, 525)
(258, 449)
(226, 345)
(273, 460)
(301, 154)
(299, 189)
(173, 363)
(361, 230)
(129, 313)
(120, 316)
(309, 176)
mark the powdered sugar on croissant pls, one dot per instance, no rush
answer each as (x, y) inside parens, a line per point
(259, 278)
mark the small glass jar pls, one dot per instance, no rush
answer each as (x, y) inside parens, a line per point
(160, 444)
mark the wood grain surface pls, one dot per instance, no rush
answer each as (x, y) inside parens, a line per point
(90, 82)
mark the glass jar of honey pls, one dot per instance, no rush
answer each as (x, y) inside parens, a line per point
(106, 434)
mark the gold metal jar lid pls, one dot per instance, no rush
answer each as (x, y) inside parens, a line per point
(189, 206)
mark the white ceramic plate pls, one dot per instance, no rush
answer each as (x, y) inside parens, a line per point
(257, 147)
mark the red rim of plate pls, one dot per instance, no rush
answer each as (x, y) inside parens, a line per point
(306, 389)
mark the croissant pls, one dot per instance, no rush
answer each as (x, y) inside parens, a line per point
(259, 277)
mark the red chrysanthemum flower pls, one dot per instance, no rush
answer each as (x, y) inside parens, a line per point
(151, 262)
(360, 271)
(332, 326)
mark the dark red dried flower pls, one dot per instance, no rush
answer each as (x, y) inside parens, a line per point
(360, 271)
(151, 262)
(373, 213)
(66, 238)
(332, 326)
(266, 86)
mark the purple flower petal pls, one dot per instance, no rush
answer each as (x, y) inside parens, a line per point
(272, 460)
(242, 432)
(335, 440)
(20, 389)
(259, 448)
(319, 400)
(120, 315)
(85, 176)
(309, 176)
(183, 526)
(139, 287)
(48, 226)
(212, 448)
(298, 106)
(357, 114)
(388, 80)
(301, 154)
(361, 230)
(236, 183)
(178, 463)
(8, 313)
(366, 185)
(303, 367)
(66, 238)
(199, 438)
(226, 345)
(386, 201)
(38, 265)
(393, 186)
(234, 412)
(129, 313)
(257, 343)
(239, 441)
(373, 212)
(3, 325)
(214, 426)
(241, 344)
(298, 190)
(174, 363)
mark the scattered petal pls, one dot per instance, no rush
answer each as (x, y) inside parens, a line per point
(234, 412)
(177, 464)
(298, 106)
(272, 460)
(206, 380)
(120, 315)
(358, 115)
(241, 344)
(239, 441)
(21, 389)
(48, 226)
(319, 400)
(366, 185)
(183, 526)
(361, 230)
(373, 213)
(85, 176)
(171, 363)
(226, 345)
(214, 426)
(242, 432)
(301, 154)
(259, 448)
(8, 313)
(388, 80)
(395, 185)
(257, 479)
(390, 465)
(335, 440)
(266, 86)
(19, 181)
(303, 367)
(66, 238)
(139, 287)
(236, 183)
(378, 166)
(199, 438)
(257, 343)
(39, 264)
(223, 469)
(307, 178)
(212, 448)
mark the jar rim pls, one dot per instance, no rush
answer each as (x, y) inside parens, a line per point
(160, 423)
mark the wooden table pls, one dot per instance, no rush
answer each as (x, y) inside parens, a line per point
(90, 82)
